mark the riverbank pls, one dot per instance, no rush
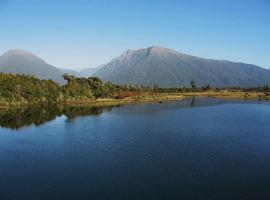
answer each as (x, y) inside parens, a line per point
(152, 97)
(230, 95)
(23, 90)
(142, 98)
(162, 97)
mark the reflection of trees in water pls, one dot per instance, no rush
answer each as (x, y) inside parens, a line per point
(16, 118)
(157, 108)
(19, 117)
(193, 102)
(72, 112)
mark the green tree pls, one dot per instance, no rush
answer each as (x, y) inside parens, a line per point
(68, 77)
(193, 84)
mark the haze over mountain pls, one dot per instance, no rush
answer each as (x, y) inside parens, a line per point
(70, 72)
(89, 71)
(169, 68)
(22, 62)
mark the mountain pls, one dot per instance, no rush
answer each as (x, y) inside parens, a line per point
(89, 71)
(153, 65)
(70, 72)
(23, 62)
(169, 68)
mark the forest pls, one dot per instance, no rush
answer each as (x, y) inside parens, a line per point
(26, 89)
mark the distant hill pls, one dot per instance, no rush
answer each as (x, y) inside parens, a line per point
(70, 72)
(89, 71)
(169, 68)
(23, 62)
(153, 65)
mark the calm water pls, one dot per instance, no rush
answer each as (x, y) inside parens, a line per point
(191, 149)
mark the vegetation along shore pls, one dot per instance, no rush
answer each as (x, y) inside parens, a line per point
(19, 90)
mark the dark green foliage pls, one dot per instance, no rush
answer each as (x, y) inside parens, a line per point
(77, 90)
(68, 77)
(207, 87)
(91, 87)
(193, 84)
(27, 88)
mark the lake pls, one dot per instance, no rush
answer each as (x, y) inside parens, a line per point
(189, 149)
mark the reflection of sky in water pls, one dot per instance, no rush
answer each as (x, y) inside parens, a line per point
(220, 151)
(27, 117)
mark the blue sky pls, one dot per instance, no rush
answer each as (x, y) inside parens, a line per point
(80, 34)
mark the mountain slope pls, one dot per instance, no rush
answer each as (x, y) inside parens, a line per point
(89, 71)
(23, 62)
(169, 68)
(70, 72)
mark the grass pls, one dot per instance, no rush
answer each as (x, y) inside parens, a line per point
(153, 97)
(228, 94)
(141, 98)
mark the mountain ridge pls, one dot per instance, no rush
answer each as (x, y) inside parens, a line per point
(19, 61)
(146, 66)
(169, 68)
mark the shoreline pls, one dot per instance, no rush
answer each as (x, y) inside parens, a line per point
(107, 102)
(154, 97)
(231, 95)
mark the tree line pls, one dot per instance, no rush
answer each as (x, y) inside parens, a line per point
(28, 89)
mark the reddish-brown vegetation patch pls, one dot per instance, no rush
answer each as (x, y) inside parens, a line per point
(123, 95)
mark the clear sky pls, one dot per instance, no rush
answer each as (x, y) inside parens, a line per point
(80, 34)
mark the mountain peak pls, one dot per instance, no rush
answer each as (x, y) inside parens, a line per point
(127, 52)
(15, 55)
(18, 52)
(161, 50)
(148, 50)
(19, 61)
(170, 68)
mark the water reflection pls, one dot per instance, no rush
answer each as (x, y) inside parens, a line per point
(155, 108)
(79, 111)
(193, 102)
(16, 118)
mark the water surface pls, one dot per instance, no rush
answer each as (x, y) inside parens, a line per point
(190, 149)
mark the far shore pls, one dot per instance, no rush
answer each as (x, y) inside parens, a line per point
(230, 95)
(154, 97)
